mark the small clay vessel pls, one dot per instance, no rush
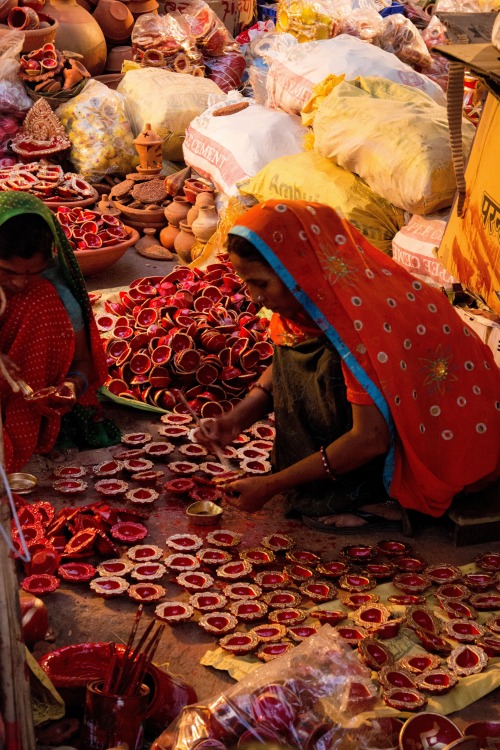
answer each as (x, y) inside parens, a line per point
(192, 214)
(205, 224)
(177, 210)
(204, 199)
(184, 242)
(106, 206)
(115, 19)
(168, 235)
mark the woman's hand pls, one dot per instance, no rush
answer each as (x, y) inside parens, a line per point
(54, 400)
(217, 431)
(249, 494)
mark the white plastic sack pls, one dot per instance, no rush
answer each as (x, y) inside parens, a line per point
(414, 246)
(167, 101)
(291, 79)
(231, 148)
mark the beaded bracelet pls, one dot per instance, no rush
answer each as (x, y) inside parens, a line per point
(262, 387)
(326, 464)
(81, 378)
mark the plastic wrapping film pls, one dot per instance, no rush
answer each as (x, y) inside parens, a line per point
(14, 101)
(164, 42)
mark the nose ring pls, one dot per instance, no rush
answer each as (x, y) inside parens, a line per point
(260, 299)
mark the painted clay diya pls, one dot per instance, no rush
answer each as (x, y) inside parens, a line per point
(207, 601)
(393, 676)
(389, 629)
(180, 486)
(204, 494)
(142, 496)
(333, 569)
(485, 602)
(146, 592)
(356, 582)
(269, 579)
(419, 663)
(406, 600)
(255, 466)
(298, 572)
(133, 465)
(248, 452)
(262, 431)
(464, 630)
(358, 599)
(393, 548)
(76, 572)
(371, 616)
(174, 612)
(258, 556)
(128, 531)
(358, 553)
(159, 449)
(173, 431)
(193, 449)
(453, 591)
(288, 615)
(109, 586)
(411, 583)
(433, 642)
(422, 618)
(351, 635)
(248, 609)
(147, 478)
(184, 542)
(274, 705)
(488, 733)
(111, 487)
(261, 445)
(278, 542)
(213, 556)
(182, 561)
(218, 623)
(183, 467)
(489, 561)
(380, 571)
(224, 538)
(436, 681)
(301, 632)
(194, 581)
(126, 455)
(148, 571)
(144, 552)
(81, 544)
(136, 438)
(239, 643)
(234, 569)
(117, 567)
(242, 591)
(374, 653)
(282, 599)
(40, 584)
(457, 610)
(490, 645)
(443, 573)
(406, 564)
(303, 557)
(214, 469)
(107, 469)
(270, 651)
(319, 591)
(69, 472)
(330, 616)
(406, 699)
(176, 419)
(269, 632)
(466, 660)
(428, 729)
(479, 582)
(493, 624)
(70, 486)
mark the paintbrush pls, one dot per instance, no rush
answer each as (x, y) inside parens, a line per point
(213, 446)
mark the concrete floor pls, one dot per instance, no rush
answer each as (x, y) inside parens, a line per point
(77, 615)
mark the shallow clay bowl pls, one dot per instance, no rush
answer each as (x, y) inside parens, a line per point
(416, 731)
(97, 260)
(488, 733)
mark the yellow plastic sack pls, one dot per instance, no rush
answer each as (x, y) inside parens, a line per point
(102, 142)
(394, 137)
(310, 176)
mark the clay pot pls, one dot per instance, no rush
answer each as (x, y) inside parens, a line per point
(36, 38)
(106, 206)
(168, 235)
(192, 214)
(192, 187)
(184, 242)
(204, 199)
(116, 58)
(79, 32)
(23, 19)
(205, 224)
(177, 210)
(5, 8)
(138, 7)
(115, 19)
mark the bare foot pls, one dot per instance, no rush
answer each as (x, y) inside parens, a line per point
(389, 512)
(342, 520)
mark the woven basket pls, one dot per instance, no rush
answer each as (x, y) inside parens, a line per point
(60, 97)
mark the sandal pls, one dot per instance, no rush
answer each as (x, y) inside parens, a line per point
(373, 523)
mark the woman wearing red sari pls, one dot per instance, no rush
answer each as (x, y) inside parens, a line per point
(380, 392)
(48, 334)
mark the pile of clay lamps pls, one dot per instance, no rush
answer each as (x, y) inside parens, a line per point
(88, 230)
(194, 331)
(47, 181)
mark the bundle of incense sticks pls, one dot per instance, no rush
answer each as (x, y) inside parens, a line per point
(127, 671)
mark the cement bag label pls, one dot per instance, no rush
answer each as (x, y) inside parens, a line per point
(414, 248)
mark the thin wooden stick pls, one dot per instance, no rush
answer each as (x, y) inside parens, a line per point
(129, 645)
(129, 665)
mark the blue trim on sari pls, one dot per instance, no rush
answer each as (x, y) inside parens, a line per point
(331, 334)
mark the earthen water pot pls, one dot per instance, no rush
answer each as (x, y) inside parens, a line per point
(205, 223)
(168, 235)
(116, 58)
(204, 198)
(184, 242)
(177, 210)
(79, 32)
(115, 19)
(192, 214)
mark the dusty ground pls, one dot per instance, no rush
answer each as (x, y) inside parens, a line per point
(77, 615)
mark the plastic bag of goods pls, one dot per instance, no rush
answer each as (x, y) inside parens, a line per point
(14, 101)
(102, 142)
(227, 69)
(234, 139)
(394, 137)
(206, 28)
(363, 23)
(168, 101)
(310, 19)
(311, 177)
(162, 42)
(414, 247)
(308, 698)
(291, 78)
(401, 37)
